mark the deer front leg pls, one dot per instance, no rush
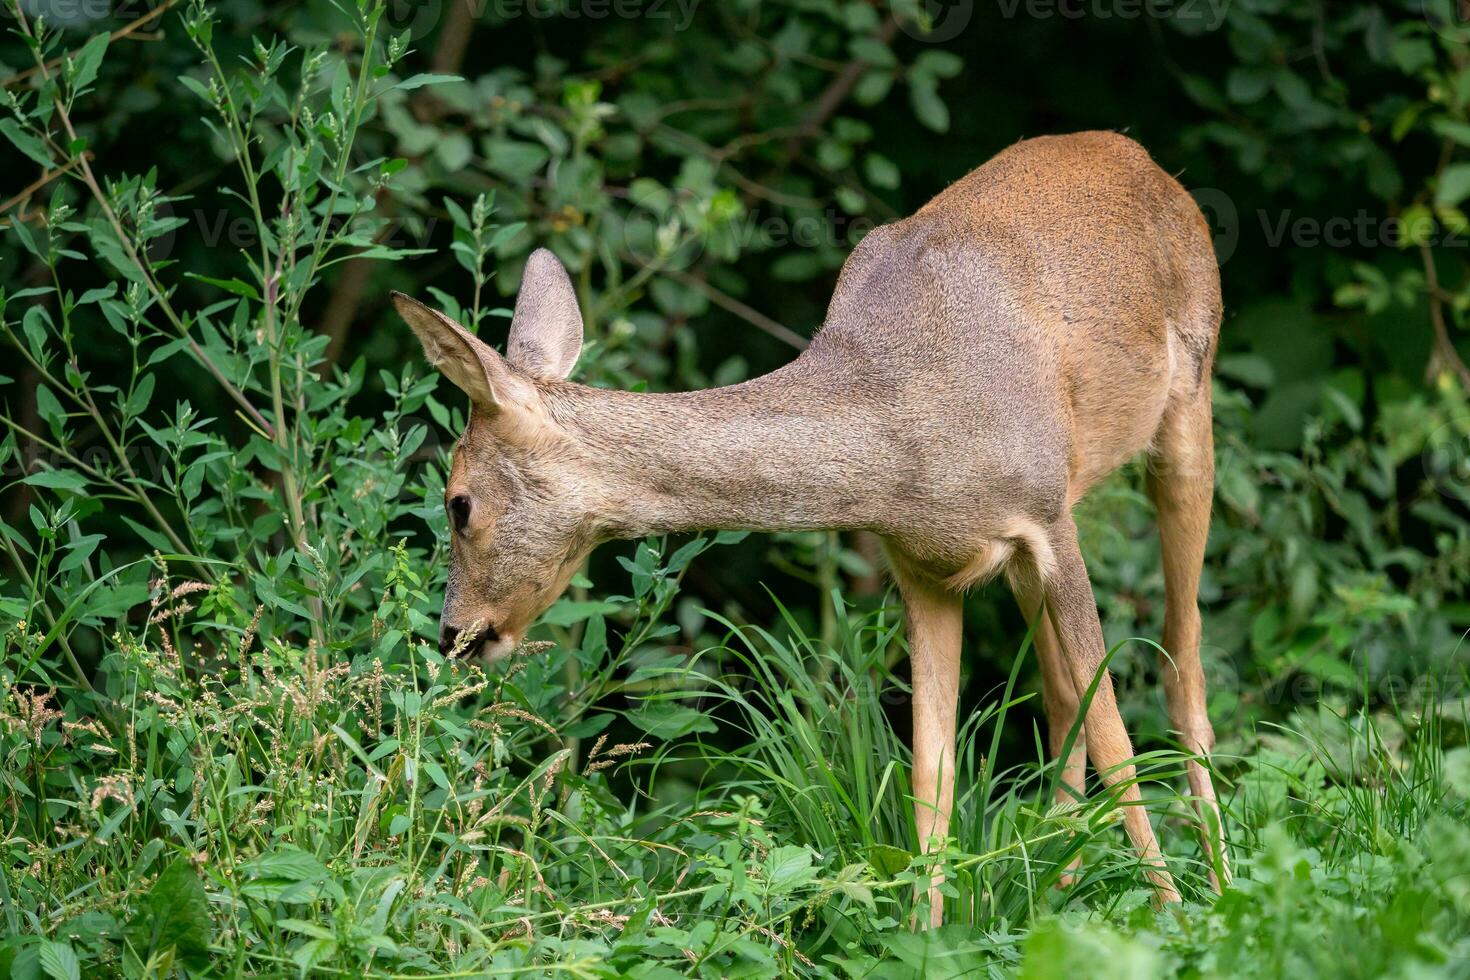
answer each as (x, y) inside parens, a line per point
(934, 628)
(1073, 610)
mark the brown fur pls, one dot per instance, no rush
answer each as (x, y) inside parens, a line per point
(982, 364)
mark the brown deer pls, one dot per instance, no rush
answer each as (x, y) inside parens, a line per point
(982, 364)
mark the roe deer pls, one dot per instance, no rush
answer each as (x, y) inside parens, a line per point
(982, 364)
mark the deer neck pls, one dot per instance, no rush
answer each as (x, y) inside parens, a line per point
(792, 450)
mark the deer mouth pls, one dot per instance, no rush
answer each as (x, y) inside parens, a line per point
(498, 646)
(483, 642)
(468, 642)
(478, 641)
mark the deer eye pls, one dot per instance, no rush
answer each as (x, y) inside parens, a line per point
(459, 513)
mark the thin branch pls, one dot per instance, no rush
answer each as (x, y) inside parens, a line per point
(116, 35)
(1444, 356)
(750, 315)
(43, 180)
(838, 90)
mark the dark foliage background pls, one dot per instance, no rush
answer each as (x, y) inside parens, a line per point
(770, 136)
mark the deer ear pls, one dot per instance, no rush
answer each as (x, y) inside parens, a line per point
(546, 332)
(473, 366)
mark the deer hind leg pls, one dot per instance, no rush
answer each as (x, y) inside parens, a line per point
(1181, 483)
(934, 617)
(1059, 699)
(1073, 610)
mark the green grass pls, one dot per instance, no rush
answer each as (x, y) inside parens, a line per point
(246, 808)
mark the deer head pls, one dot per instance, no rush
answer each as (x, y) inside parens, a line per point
(519, 489)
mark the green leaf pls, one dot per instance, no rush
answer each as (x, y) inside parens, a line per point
(887, 861)
(851, 201)
(789, 866)
(304, 928)
(881, 171)
(312, 952)
(1246, 84)
(797, 267)
(1413, 54)
(1417, 225)
(872, 87)
(59, 961)
(290, 863)
(1457, 131)
(873, 51)
(197, 87)
(154, 540)
(25, 142)
(666, 720)
(1249, 369)
(424, 78)
(928, 106)
(109, 248)
(138, 400)
(939, 63)
(27, 239)
(1454, 184)
(56, 480)
(49, 408)
(87, 61)
(174, 915)
(505, 234)
(454, 151)
(234, 286)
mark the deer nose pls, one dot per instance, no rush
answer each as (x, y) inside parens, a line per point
(449, 636)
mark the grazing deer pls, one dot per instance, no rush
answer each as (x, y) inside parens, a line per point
(982, 364)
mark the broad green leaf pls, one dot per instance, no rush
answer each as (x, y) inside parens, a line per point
(285, 862)
(174, 915)
(789, 866)
(422, 79)
(23, 141)
(142, 394)
(881, 171)
(232, 285)
(888, 861)
(928, 106)
(88, 60)
(57, 480)
(50, 410)
(668, 720)
(59, 961)
(1455, 130)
